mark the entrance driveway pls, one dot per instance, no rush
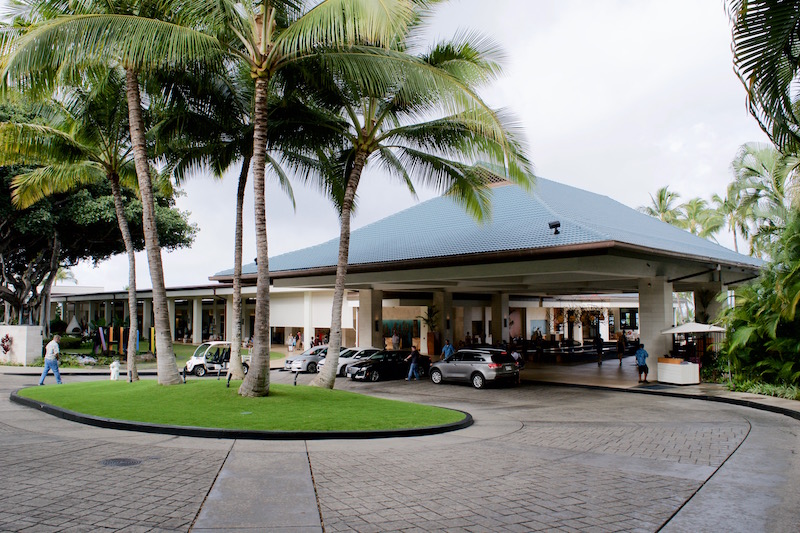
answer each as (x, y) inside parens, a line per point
(539, 457)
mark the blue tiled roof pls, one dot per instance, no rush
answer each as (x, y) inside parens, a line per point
(440, 228)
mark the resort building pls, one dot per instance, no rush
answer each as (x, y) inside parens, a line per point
(562, 261)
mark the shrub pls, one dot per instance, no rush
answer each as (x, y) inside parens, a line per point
(58, 326)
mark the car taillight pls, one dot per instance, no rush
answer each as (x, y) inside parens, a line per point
(495, 365)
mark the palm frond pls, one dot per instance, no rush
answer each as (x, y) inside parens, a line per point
(29, 188)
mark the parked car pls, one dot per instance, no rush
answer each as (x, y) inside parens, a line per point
(306, 361)
(348, 356)
(386, 364)
(477, 367)
(212, 357)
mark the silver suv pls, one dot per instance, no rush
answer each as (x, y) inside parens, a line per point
(476, 367)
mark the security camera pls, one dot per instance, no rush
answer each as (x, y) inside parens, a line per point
(554, 225)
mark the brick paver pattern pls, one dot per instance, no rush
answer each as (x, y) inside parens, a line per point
(49, 484)
(534, 479)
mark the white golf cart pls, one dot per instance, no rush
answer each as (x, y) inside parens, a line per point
(212, 357)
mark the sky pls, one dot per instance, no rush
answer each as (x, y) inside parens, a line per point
(618, 97)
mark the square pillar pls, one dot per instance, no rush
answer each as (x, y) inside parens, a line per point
(171, 311)
(147, 318)
(444, 303)
(107, 312)
(229, 318)
(706, 306)
(499, 317)
(655, 314)
(197, 320)
(370, 315)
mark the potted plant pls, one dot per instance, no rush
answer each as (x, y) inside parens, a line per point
(431, 320)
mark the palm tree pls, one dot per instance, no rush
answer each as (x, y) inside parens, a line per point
(86, 34)
(731, 210)
(698, 218)
(763, 178)
(204, 121)
(662, 206)
(431, 134)
(765, 39)
(267, 36)
(84, 139)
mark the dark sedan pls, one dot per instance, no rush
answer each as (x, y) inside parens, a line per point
(386, 364)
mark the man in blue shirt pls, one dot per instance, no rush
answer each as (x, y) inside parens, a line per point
(448, 350)
(641, 363)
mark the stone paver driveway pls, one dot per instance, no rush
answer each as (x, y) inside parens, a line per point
(538, 458)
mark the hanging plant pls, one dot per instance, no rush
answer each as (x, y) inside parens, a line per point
(5, 342)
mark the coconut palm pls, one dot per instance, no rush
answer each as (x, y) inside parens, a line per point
(764, 177)
(698, 218)
(766, 35)
(84, 138)
(734, 214)
(204, 122)
(426, 135)
(662, 206)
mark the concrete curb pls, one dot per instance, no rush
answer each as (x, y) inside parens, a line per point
(721, 399)
(219, 433)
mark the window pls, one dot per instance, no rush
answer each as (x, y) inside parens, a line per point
(629, 318)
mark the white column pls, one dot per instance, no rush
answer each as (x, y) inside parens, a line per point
(171, 311)
(229, 318)
(147, 321)
(370, 315)
(197, 320)
(499, 317)
(107, 312)
(655, 314)
(308, 319)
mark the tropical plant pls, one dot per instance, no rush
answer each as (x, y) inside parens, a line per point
(442, 135)
(84, 139)
(766, 36)
(763, 340)
(662, 206)
(698, 218)
(733, 212)
(763, 179)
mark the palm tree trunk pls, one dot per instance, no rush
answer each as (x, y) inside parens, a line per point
(165, 355)
(236, 370)
(735, 240)
(327, 377)
(256, 383)
(119, 207)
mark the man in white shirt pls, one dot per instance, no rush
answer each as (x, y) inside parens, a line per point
(51, 352)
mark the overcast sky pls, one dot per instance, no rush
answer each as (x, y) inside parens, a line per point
(618, 97)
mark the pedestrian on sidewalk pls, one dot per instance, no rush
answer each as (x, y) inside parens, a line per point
(622, 344)
(412, 369)
(447, 351)
(51, 358)
(641, 363)
(598, 347)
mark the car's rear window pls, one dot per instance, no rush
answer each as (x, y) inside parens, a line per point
(502, 358)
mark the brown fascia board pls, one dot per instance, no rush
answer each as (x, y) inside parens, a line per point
(554, 252)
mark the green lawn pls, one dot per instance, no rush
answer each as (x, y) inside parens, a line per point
(208, 403)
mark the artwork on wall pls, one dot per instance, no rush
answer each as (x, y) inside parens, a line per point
(407, 329)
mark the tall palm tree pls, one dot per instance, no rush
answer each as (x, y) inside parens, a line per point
(766, 35)
(266, 36)
(662, 206)
(763, 177)
(698, 218)
(731, 210)
(434, 135)
(84, 138)
(204, 121)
